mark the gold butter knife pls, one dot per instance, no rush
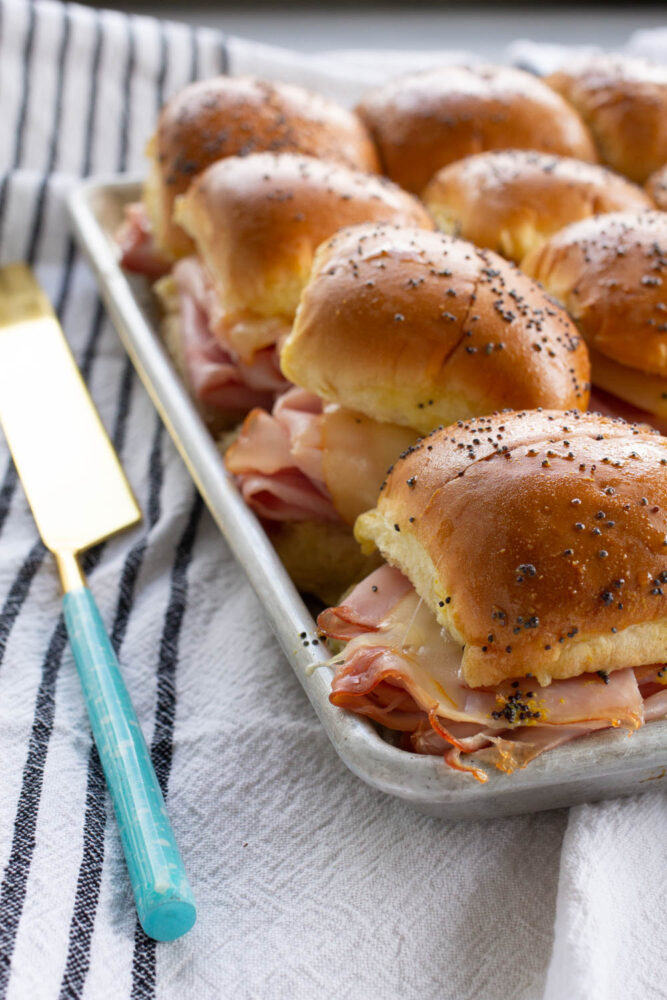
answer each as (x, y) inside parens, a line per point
(80, 496)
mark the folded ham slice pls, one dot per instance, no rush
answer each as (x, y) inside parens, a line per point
(401, 668)
(308, 461)
(138, 252)
(277, 459)
(215, 371)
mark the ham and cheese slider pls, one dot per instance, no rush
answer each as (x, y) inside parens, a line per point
(422, 122)
(230, 116)
(624, 103)
(256, 222)
(610, 273)
(398, 330)
(524, 599)
(512, 201)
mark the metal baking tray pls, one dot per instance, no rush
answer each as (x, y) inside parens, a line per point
(598, 766)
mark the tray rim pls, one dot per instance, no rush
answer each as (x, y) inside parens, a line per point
(599, 766)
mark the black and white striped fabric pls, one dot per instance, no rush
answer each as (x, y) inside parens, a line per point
(309, 884)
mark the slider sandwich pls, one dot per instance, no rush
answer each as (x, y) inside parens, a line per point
(610, 273)
(256, 222)
(398, 331)
(523, 602)
(230, 116)
(624, 103)
(512, 201)
(422, 122)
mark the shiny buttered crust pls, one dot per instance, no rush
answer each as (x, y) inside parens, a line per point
(538, 539)
(417, 328)
(624, 103)
(422, 122)
(610, 273)
(512, 201)
(235, 116)
(257, 221)
(656, 187)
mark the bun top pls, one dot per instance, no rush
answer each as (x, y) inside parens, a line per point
(624, 103)
(416, 328)
(235, 116)
(258, 220)
(656, 187)
(422, 122)
(610, 273)
(512, 201)
(539, 541)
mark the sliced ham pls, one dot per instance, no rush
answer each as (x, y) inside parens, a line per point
(138, 252)
(340, 457)
(216, 375)
(277, 459)
(287, 495)
(368, 604)
(401, 669)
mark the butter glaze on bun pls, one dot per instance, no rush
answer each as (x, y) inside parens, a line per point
(624, 103)
(257, 221)
(656, 186)
(416, 328)
(538, 540)
(610, 273)
(512, 201)
(235, 116)
(422, 122)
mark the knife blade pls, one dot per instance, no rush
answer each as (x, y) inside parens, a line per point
(80, 496)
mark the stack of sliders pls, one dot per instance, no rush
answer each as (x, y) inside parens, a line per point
(398, 331)
(256, 222)
(229, 116)
(524, 599)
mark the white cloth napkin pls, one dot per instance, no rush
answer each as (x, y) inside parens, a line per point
(309, 884)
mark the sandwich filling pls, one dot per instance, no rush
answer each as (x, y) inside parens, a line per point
(138, 250)
(307, 460)
(230, 361)
(402, 669)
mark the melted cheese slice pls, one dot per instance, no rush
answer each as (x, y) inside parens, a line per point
(411, 650)
(646, 391)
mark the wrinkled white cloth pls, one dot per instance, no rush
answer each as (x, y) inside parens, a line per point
(309, 884)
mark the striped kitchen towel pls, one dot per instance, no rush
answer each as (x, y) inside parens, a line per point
(309, 885)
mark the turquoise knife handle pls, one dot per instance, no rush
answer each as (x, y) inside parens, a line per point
(164, 900)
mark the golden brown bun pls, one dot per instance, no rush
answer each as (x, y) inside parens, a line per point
(421, 123)
(610, 273)
(512, 201)
(539, 541)
(258, 220)
(322, 558)
(624, 103)
(416, 328)
(235, 116)
(656, 187)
